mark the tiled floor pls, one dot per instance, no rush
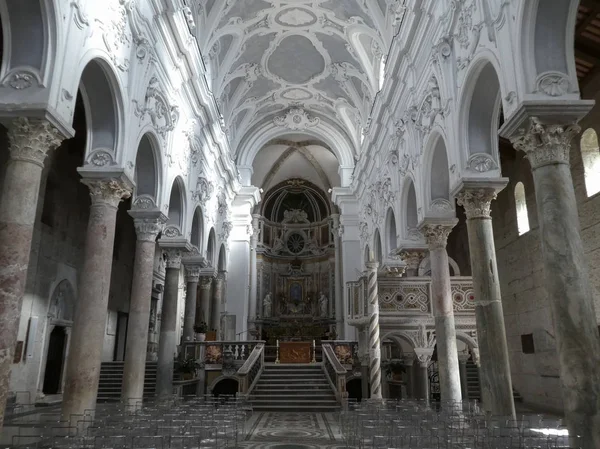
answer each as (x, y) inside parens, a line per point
(293, 431)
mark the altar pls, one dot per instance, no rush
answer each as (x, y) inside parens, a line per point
(295, 352)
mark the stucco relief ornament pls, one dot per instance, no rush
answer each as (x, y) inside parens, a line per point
(436, 236)
(21, 80)
(144, 202)
(101, 158)
(546, 144)
(296, 119)
(441, 205)
(204, 190)
(226, 229)
(363, 229)
(554, 84)
(31, 139)
(172, 231)
(163, 115)
(477, 202)
(481, 163)
(116, 34)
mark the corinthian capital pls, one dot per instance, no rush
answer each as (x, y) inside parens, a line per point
(477, 202)
(108, 192)
(546, 144)
(147, 229)
(174, 257)
(436, 234)
(192, 273)
(31, 139)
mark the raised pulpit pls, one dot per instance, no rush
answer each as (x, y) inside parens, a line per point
(295, 352)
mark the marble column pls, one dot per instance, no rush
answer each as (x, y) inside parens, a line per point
(410, 384)
(203, 307)
(462, 365)
(363, 356)
(252, 304)
(30, 141)
(567, 281)
(495, 367)
(436, 235)
(339, 289)
(373, 338)
(167, 344)
(147, 226)
(192, 276)
(423, 357)
(89, 325)
(217, 300)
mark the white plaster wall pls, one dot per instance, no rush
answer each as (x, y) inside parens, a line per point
(238, 281)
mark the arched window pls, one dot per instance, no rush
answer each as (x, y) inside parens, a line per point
(590, 154)
(521, 205)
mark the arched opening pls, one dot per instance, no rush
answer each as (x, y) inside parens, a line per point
(392, 235)
(176, 211)
(378, 248)
(211, 247)
(55, 360)
(222, 259)
(521, 208)
(146, 174)
(101, 111)
(354, 389)
(483, 119)
(225, 387)
(367, 256)
(440, 174)
(196, 236)
(412, 216)
(590, 155)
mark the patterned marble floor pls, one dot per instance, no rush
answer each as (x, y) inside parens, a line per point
(293, 431)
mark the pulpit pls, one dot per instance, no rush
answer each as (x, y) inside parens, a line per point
(295, 352)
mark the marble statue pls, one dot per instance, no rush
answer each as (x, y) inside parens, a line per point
(267, 302)
(323, 305)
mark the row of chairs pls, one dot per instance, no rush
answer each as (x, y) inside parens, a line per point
(401, 424)
(177, 423)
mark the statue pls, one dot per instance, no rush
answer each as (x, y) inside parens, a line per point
(278, 245)
(323, 305)
(267, 305)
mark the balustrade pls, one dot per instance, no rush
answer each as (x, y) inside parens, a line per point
(335, 373)
(211, 352)
(250, 372)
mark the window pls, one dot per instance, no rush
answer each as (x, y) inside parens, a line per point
(527, 345)
(590, 154)
(521, 205)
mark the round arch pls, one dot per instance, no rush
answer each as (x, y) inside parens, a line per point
(147, 174)
(466, 339)
(436, 176)
(211, 247)
(390, 231)
(252, 143)
(197, 235)
(176, 212)
(377, 247)
(222, 261)
(102, 97)
(221, 378)
(402, 335)
(410, 220)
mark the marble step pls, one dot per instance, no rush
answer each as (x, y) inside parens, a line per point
(296, 408)
(296, 402)
(291, 391)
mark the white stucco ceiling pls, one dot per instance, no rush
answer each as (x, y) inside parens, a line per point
(322, 57)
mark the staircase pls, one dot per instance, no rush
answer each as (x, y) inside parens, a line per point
(474, 388)
(293, 388)
(111, 381)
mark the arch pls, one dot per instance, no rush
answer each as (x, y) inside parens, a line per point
(466, 339)
(177, 204)
(211, 247)
(102, 99)
(196, 237)
(425, 267)
(590, 156)
(62, 302)
(262, 134)
(438, 179)
(391, 233)
(222, 261)
(377, 247)
(215, 383)
(411, 219)
(146, 168)
(548, 46)
(521, 209)
(480, 117)
(367, 255)
(402, 335)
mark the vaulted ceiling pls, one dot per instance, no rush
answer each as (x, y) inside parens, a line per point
(319, 58)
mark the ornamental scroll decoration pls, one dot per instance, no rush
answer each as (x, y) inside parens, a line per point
(407, 297)
(463, 297)
(163, 115)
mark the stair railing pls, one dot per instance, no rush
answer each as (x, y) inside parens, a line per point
(335, 373)
(251, 370)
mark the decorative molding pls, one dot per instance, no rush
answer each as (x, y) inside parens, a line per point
(481, 163)
(144, 202)
(546, 144)
(101, 158)
(163, 115)
(477, 202)
(204, 190)
(31, 139)
(226, 228)
(553, 84)
(296, 119)
(172, 232)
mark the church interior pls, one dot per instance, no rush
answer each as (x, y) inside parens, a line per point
(300, 224)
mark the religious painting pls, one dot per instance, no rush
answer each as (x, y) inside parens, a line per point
(296, 291)
(344, 354)
(214, 354)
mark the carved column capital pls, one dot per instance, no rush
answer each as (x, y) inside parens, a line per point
(477, 202)
(174, 256)
(436, 235)
(147, 229)
(423, 355)
(31, 139)
(109, 192)
(192, 273)
(546, 144)
(412, 258)
(205, 282)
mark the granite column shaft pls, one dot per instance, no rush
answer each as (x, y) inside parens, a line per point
(29, 140)
(85, 354)
(192, 276)
(147, 230)
(566, 275)
(437, 237)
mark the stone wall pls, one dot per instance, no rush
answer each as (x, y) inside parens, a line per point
(526, 308)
